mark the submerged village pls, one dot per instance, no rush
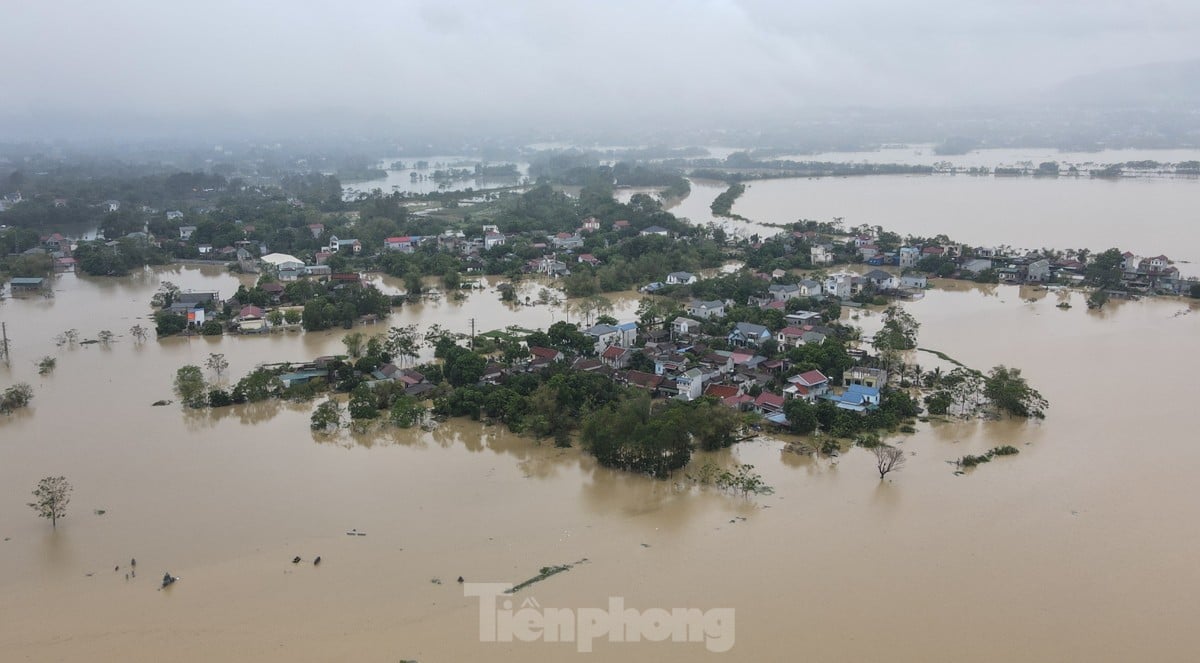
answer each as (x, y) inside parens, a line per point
(733, 334)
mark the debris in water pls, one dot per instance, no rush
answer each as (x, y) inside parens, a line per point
(99, 512)
(296, 559)
(168, 580)
(460, 580)
(160, 403)
(436, 581)
(545, 572)
(317, 560)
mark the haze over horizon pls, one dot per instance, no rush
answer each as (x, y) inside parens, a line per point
(145, 62)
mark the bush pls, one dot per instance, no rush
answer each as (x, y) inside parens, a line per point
(1006, 450)
(15, 397)
(212, 328)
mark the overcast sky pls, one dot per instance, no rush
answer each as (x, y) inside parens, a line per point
(431, 58)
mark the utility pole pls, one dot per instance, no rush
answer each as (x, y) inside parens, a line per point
(472, 334)
(4, 342)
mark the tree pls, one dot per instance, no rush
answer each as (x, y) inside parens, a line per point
(291, 316)
(189, 385)
(463, 367)
(138, 333)
(354, 342)
(406, 412)
(105, 337)
(327, 416)
(363, 403)
(403, 343)
(888, 459)
(53, 494)
(15, 397)
(899, 331)
(46, 365)
(216, 363)
(1009, 392)
(801, 416)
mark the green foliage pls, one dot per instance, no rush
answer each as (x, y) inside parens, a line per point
(167, 324)
(1104, 270)
(462, 367)
(259, 385)
(327, 416)
(212, 328)
(626, 436)
(938, 402)
(363, 404)
(899, 331)
(46, 365)
(1009, 392)
(723, 204)
(190, 386)
(15, 397)
(406, 412)
(51, 498)
(801, 415)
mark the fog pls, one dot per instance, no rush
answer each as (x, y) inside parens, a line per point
(78, 64)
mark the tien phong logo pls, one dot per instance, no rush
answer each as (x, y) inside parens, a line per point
(503, 619)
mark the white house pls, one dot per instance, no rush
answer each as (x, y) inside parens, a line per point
(656, 230)
(186, 232)
(338, 245)
(909, 256)
(690, 384)
(282, 261)
(821, 254)
(709, 309)
(685, 326)
(784, 292)
(809, 288)
(174, 214)
(681, 278)
(492, 240)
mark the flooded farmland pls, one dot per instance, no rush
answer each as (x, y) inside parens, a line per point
(1076, 549)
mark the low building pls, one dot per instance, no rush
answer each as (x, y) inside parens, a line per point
(748, 333)
(655, 230)
(706, 309)
(875, 378)
(808, 386)
(681, 278)
(856, 398)
(685, 326)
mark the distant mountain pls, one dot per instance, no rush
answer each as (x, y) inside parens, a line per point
(1161, 85)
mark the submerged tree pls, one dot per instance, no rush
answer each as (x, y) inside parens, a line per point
(217, 363)
(105, 337)
(46, 365)
(52, 496)
(1009, 392)
(138, 333)
(888, 459)
(15, 397)
(189, 385)
(327, 416)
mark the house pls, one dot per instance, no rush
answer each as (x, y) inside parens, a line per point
(1156, 264)
(282, 261)
(881, 279)
(320, 257)
(655, 230)
(201, 297)
(492, 240)
(909, 256)
(317, 229)
(628, 332)
(933, 251)
(340, 245)
(320, 271)
(876, 378)
(620, 224)
(768, 403)
(647, 381)
(784, 292)
(1038, 271)
(809, 288)
(205, 249)
(111, 205)
(690, 384)
(802, 317)
(685, 326)
(1011, 274)
(681, 278)
(821, 254)
(840, 285)
(616, 356)
(808, 385)
(590, 224)
(185, 232)
(64, 265)
(403, 244)
(669, 363)
(251, 320)
(706, 309)
(857, 398)
(603, 336)
(790, 336)
(551, 267)
(566, 241)
(748, 333)
(918, 282)
(588, 259)
(1130, 262)
(27, 284)
(289, 274)
(195, 313)
(549, 354)
(868, 251)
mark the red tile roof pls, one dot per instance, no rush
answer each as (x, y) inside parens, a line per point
(810, 378)
(613, 352)
(721, 391)
(767, 398)
(545, 353)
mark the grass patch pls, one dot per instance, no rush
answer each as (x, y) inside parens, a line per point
(545, 572)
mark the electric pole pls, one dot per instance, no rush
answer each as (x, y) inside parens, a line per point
(4, 342)
(472, 334)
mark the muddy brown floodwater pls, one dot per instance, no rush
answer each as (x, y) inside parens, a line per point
(1080, 548)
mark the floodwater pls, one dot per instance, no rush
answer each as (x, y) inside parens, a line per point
(1079, 548)
(924, 155)
(1149, 216)
(401, 180)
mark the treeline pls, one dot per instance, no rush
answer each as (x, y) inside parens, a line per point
(722, 205)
